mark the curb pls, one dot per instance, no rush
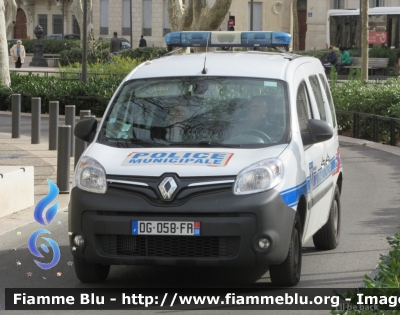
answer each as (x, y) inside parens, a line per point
(371, 144)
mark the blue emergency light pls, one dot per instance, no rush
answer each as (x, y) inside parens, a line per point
(228, 39)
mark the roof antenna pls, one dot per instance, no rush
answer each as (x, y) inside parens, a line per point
(205, 70)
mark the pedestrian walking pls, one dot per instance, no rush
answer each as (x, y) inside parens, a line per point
(18, 53)
(115, 46)
(142, 42)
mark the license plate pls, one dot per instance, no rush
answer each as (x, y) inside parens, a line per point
(166, 228)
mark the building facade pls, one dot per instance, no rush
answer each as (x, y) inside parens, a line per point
(150, 18)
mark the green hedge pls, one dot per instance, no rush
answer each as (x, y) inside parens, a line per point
(99, 53)
(49, 46)
(379, 99)
(144, 53)
(75, 55)
(66, 92)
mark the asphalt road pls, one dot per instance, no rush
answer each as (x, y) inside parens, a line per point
(370, 213)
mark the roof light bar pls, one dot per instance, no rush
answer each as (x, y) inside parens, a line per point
(228, 39)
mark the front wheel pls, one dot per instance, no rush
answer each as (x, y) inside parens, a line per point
(327, 237)
(288, 273)
(90, 273)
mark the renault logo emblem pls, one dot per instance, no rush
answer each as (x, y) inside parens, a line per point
(167, 187)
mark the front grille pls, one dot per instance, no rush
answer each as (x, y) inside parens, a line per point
(169, 246)
(183, 193)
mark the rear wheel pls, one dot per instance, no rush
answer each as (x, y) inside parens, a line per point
(327, 237)
(90, 273)
(288, 273)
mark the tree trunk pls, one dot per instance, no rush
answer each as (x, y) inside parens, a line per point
(4, 61)
(10, 14)
(295, 26)
(364, 40)
(195, 15)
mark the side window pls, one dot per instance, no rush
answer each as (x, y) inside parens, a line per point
(330, 100)
(303, 105)
(316, 88)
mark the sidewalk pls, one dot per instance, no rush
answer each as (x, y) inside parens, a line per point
(45, 166)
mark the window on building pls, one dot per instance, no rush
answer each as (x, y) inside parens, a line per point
(43, 23)
(167, 28)
(147, 11)
(257, 16)
(75, 26)
(57, 24)
(337, 4)
(126, 23)
(376, 3)
(104, 5)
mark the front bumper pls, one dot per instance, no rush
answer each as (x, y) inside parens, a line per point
(230, 229)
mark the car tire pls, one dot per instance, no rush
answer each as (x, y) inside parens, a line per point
(90, 273)
(327, 237)
(288, 273)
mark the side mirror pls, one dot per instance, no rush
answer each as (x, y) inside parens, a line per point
(318, 131)
(85, 129)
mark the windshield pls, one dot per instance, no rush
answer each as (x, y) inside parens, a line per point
(198, 111)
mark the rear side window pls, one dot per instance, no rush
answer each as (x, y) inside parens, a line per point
(316, 88)
(329, 97)
(304, 111)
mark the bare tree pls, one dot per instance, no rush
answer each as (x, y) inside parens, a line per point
(196, 15)
(4, 61)
(77, 10)
(364, 40)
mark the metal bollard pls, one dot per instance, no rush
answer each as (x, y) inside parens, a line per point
(70, 120)
(36, 119)
(53, 124)
(63, 158)
(80, 145)
(16, 116)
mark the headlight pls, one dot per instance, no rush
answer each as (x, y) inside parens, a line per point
(260, 176)
(90, 176)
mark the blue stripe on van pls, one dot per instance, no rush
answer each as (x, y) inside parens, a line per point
(292, 195)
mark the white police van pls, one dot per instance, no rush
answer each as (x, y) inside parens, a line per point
(210, 159)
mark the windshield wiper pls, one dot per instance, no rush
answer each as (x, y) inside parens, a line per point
(137, 141)
(204, 144)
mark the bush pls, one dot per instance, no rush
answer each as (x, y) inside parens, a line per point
(386, 283)
(144, 53)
